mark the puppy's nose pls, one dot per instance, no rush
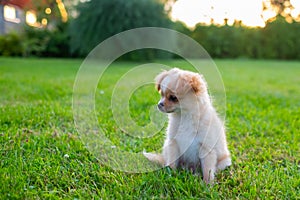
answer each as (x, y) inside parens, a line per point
(161, 104)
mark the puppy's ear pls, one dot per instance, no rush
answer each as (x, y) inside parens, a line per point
(159, 78)
(197, 83)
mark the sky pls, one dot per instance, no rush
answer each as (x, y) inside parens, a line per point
(249, 12)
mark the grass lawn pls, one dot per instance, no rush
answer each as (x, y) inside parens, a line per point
(42, 156)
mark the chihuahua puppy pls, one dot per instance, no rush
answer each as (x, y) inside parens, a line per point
(195, 134)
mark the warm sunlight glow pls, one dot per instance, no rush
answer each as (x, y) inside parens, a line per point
(268, 14)
(296, 4)
(296, 11)
(44, 22)
(249, 12)
(31, 18)
(191, 12)
(63, 11)
(48, 11)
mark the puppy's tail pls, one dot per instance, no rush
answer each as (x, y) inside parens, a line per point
(156, 158)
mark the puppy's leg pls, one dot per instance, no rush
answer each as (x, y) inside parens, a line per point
(208, 166)
(157, 158)
(171, 153)
(223, 162)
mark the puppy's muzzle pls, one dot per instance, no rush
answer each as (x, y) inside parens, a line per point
(160, 105)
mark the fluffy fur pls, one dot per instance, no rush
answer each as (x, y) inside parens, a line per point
(195, 134)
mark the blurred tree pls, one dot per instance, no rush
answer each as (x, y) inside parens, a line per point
(277, 40)
(50, 10)
(168, 4)
(281, 7)
(98, 20)
(281, 39)
(168, 1)
(46, 43)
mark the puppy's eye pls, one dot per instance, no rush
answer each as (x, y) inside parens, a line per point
(173, 98)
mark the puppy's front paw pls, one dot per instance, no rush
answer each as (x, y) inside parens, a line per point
(224, 162)
(172, 166)
(208, 180)
(157, 158)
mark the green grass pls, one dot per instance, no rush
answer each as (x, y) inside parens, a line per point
(42, 156)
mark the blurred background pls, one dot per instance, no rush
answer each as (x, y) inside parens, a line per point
(260, 29)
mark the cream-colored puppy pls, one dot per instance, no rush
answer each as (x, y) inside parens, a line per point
(195, 134)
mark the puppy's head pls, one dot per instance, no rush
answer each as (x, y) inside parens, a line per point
(179, 90)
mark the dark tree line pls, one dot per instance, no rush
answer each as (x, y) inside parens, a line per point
(98, 20)
(277, 40)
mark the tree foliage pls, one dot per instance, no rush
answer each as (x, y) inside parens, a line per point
(280, 6)
(277, 40)
(10, 45)
(99, 20)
